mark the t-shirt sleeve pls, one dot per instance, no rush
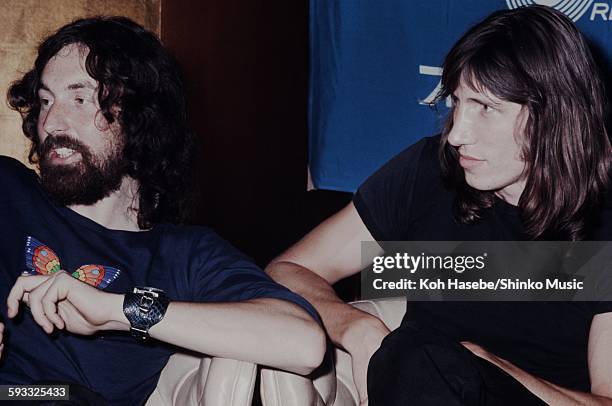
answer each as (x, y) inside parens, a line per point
(17, 182)
(218, 272)
(384, 200)
(603, 307)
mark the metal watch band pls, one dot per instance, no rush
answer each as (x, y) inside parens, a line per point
(144, 307)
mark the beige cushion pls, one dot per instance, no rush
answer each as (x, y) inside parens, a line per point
(332, 383)
(201, 380)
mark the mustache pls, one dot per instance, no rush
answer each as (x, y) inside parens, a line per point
(61, 141)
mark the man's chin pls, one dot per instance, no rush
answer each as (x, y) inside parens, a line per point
(61, 184)
(75, 193)
(69, 184)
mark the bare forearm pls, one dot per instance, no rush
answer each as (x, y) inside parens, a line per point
(263, 331)
(550, 393)
(340, 320)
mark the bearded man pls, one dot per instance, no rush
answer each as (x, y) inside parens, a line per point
(91, 246)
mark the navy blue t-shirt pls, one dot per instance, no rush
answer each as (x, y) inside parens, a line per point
(406, 200)
(189, 263)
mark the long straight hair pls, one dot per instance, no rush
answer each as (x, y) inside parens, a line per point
(536, 57)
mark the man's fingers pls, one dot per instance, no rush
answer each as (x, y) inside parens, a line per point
(22, 286)
(65, 309)
(50, 310)
(50, 302)
(32, 289)
(67, 312)
(44, 298)
(37, 310)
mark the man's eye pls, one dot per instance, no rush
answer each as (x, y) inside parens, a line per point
(79, 100)
(486, 108)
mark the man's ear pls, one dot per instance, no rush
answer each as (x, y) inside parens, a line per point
(520, 135)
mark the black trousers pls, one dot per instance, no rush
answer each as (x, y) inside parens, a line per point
(417, 367)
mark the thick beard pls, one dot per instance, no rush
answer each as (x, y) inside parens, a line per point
(85, 182)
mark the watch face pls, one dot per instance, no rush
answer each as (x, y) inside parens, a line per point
(144, 308)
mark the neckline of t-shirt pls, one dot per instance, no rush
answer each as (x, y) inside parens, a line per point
(73, 216)
(506, 207)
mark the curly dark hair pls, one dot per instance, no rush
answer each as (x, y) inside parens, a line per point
(135, 73)
(536, 57)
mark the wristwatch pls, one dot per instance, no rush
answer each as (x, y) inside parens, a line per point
(144, 307)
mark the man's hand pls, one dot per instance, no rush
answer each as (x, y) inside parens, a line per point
(361, 340)
(61, 301)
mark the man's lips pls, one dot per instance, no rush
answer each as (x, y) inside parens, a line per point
(63, 155)
(469, 162)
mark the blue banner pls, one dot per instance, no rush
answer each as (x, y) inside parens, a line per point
(375, 68)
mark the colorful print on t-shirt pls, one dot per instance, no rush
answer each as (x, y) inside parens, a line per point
(42, 260)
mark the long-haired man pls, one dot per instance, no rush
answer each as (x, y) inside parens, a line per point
(93, 245)
(524, 155)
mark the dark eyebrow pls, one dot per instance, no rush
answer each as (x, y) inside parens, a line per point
(81, 85)
(72, 86)
(484, 100)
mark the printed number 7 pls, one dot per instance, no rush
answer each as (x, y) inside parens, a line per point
(431, 98)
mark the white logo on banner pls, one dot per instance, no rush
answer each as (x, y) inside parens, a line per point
(574, 9)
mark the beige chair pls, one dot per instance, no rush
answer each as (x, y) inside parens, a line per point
(332, 383)
(199, 380)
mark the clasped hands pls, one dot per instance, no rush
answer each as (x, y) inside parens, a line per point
(59, 301)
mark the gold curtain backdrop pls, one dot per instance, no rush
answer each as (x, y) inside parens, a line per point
(24, 23)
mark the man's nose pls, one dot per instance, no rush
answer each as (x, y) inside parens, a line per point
(461, 132)
(55, 121)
